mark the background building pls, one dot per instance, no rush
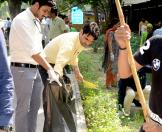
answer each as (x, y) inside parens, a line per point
(134, 10)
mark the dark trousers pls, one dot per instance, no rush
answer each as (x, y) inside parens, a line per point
(57, 105)
(121, 92)
(44, 75)
(141, 129)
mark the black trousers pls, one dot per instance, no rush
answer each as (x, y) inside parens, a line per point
(59, 109)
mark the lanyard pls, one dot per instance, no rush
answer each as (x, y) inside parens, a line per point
(37, 24)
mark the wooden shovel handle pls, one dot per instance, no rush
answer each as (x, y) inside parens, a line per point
(133, 66)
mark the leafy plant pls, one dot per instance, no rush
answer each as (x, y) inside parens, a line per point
(135, 42)
(98, 43)
(99, 104)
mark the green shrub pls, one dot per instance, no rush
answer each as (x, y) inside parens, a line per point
(99, 104)
(98, 43)
(135, 42)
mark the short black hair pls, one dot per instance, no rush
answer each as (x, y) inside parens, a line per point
(49, 3)
(8, 18)
(91, 28)
(54, 10)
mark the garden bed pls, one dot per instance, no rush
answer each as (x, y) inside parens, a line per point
(100, 105)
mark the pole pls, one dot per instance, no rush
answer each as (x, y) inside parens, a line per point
(133, 66)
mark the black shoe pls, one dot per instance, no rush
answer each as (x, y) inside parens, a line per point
(120, 107)
(6, 128)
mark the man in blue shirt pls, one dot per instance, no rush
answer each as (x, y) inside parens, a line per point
(6, 89)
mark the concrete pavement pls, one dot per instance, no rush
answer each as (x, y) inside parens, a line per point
(40, 120)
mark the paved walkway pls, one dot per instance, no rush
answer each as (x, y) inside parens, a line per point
(40, 120)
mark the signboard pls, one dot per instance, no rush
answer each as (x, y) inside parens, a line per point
(76, 15)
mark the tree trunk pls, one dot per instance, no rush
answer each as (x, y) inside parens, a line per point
(112, 13)
(14, 7)
(96, 15)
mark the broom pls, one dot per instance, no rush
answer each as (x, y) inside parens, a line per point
(88, 84)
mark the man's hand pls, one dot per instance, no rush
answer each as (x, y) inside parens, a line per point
(122, 35)
(53, 76)
(151, 126)
(79, 76)
(77, 73)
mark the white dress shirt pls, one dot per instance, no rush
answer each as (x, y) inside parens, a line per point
(25, 38)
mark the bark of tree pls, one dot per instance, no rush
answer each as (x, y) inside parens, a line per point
(14, 7)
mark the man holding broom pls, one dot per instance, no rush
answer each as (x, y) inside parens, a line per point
(149, 54)
(60, 51)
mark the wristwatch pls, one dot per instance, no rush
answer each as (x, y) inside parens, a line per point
(6, 128)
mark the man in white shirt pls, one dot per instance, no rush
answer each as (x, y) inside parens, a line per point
(26, 53)
(57, 25)
(7, 27)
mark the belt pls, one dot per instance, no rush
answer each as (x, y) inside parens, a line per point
(25, 65)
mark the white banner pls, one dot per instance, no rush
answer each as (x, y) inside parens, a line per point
(131, 2)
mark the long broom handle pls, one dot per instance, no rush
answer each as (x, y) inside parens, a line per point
(133, 67)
